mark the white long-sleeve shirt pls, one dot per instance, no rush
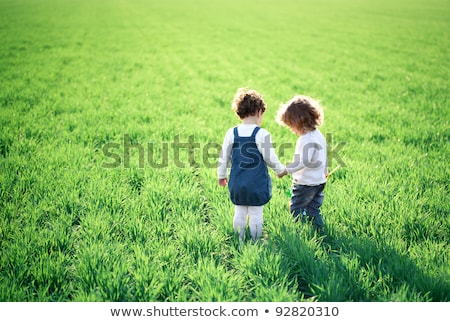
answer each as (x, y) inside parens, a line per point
(263, 142)
(309, 166)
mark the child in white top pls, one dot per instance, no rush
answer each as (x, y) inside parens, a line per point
(309, 168)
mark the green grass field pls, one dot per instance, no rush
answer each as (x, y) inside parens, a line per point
(85, 82)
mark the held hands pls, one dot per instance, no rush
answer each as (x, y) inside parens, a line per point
(282, 174)
(223, 182)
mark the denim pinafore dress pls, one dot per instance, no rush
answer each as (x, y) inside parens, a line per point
(249, 183)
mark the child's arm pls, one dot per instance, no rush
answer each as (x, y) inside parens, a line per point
(267, 150)
(298, 160)
(224, 159)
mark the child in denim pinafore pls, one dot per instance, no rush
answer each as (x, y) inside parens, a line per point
(250, 183)
(249, 150)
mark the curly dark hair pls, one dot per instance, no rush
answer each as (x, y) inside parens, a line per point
(247, 102)
(301, 112)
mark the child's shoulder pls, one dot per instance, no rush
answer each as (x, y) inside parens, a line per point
(230, 133)
(313, 136)
(231, 129)
(319, 133)
(263, 131)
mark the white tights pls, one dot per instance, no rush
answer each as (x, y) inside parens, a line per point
(255, 215)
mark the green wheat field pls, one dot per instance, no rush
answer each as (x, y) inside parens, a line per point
(112, 114)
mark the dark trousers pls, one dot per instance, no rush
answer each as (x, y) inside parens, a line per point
(306, 202)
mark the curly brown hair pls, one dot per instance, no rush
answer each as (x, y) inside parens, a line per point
(301, 113)
(247, 102)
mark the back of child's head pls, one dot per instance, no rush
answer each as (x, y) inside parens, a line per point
(301, 112)
(247, 102)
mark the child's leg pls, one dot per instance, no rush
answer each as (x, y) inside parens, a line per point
(240, 220)
(313, 209)
(256, 221)
(301, 197)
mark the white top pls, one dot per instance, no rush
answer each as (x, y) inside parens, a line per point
(263, 142)
(309, 166)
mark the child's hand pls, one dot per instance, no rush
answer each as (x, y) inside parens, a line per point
(223, 182)
(282, 174)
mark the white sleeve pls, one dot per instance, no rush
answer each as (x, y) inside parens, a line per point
(298, 159)
(225, 155)
(265, 147)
